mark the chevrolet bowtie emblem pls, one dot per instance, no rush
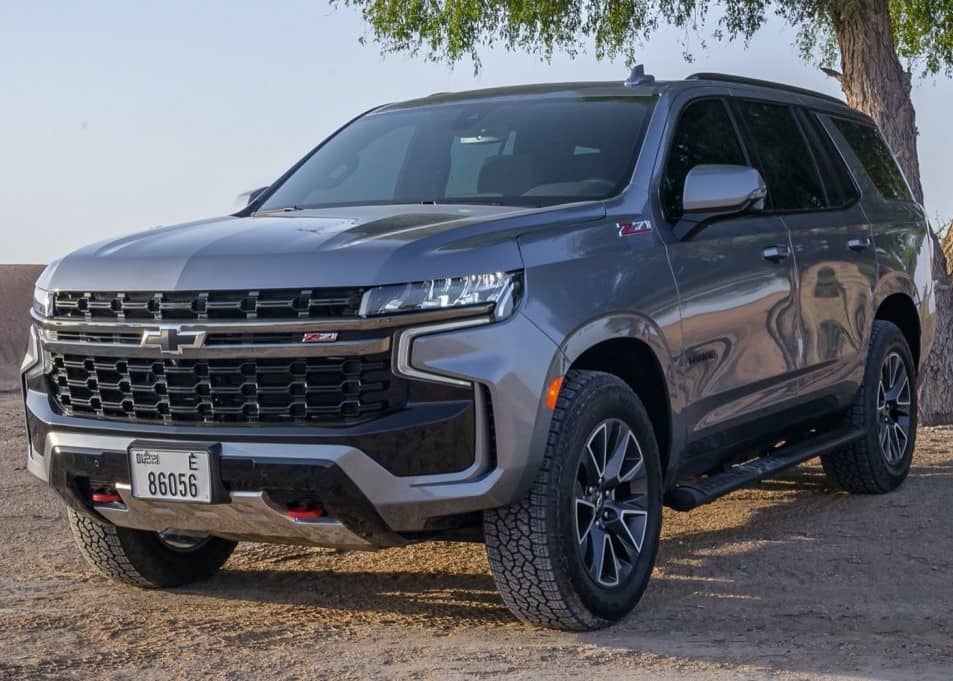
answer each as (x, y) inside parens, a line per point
(172, 340)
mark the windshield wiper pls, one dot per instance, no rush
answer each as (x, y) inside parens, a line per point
(283, 209)
(450, 200)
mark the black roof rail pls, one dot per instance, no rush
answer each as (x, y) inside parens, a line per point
(728, 78)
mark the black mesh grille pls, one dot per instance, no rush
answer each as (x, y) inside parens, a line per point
(316, 390)
(283, 304)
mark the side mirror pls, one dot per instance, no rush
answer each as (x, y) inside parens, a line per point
(713, 191)
(247, 198)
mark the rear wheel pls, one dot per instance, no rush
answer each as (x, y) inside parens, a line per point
(148, 559)
(886, 408)
(578, 551)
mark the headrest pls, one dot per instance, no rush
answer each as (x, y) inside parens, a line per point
(507, 175)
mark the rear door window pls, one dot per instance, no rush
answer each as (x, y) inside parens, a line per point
(841, 190)
(783, 157)
(704, 135)
(874, 154)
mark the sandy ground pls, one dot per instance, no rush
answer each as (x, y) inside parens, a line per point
(786, 580)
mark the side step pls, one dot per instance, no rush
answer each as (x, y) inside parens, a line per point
(706, 490)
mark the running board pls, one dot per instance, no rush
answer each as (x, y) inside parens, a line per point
(705, 490)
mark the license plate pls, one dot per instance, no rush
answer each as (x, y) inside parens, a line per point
(171, 475)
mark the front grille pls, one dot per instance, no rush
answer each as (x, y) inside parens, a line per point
(211, 340)
(108, 338)
(313, 390)
(274, 304)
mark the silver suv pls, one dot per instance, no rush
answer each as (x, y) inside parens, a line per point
(527, 316)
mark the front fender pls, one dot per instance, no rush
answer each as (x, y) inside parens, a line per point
(637, 327)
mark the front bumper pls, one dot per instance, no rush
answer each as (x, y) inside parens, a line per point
(368, 504)
(252, 513)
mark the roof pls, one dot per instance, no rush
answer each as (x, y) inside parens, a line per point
(618, 88)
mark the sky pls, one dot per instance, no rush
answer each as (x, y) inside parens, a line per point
(119, 116)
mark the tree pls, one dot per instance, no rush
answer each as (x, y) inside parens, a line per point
(880, 45)
(936, 407)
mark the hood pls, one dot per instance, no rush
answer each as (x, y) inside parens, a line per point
(359, 246)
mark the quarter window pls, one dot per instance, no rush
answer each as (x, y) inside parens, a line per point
(874, 154)
(704, 135)
(783, 157)
(841, 190)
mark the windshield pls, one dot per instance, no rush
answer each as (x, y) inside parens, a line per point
(524, 153)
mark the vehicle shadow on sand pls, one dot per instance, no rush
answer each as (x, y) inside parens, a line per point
(787, 575)
(468, 599)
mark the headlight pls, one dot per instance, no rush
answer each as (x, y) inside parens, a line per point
(501, 288)
(42, 302)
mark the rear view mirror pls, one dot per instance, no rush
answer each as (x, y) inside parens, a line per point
(717, 191)
(723, 189)
(480, 139)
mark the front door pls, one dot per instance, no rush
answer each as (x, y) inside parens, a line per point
(736, 284)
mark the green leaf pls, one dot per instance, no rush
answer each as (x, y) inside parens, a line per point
(452, 30)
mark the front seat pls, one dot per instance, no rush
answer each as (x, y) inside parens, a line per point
(508, 175)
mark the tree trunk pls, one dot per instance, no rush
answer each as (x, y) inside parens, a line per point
(936, 379)
(875, 82)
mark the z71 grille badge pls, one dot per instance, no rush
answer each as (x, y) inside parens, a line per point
(320, 337)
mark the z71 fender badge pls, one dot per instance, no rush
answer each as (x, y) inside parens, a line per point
(634, 228)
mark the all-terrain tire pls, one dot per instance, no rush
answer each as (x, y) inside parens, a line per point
(862, 467)
(531, 544)
(141, 558)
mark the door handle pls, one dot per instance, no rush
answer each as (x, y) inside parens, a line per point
(776, 253)
(859, 244)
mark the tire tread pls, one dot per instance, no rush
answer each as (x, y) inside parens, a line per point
(851, 467)
(101, 547)
(520, 537)
(138, 558)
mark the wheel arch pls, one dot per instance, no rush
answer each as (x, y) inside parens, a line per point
(633, 348)
(900, 309)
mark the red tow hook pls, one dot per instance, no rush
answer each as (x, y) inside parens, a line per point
(106, 498)
(305, 512)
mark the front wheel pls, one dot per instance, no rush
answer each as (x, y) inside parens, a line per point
(148, 559)
(578, 551)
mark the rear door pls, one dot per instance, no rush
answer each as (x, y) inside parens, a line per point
(812, 190)
(736, 291)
